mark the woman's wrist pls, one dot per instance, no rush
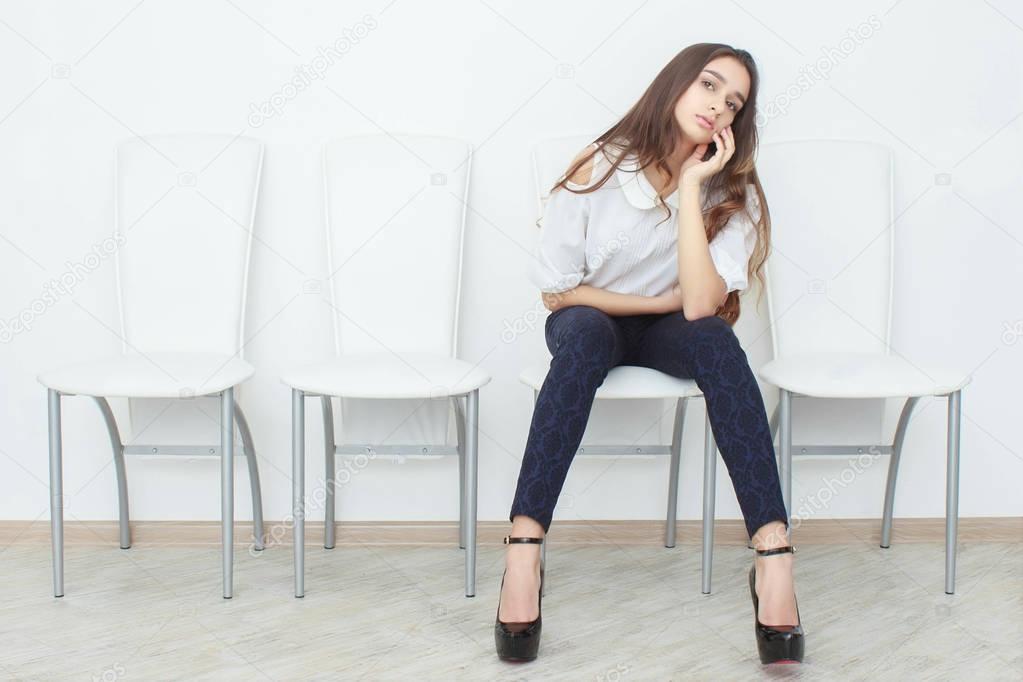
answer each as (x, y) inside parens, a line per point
(689, 191)
(657, 305)
(652, 305)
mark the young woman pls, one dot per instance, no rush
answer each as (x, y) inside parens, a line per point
(646, 243)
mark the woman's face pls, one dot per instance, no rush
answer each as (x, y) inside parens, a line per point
(717, 95)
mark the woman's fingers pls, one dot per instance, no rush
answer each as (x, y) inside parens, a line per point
(729, 143)
(724, 148)
(719, 154)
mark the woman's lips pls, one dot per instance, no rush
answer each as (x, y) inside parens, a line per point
(704, 122)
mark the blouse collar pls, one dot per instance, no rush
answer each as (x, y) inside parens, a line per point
(638, 189)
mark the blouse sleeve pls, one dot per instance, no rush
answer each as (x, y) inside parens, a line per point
(559, 258)
(732, 247)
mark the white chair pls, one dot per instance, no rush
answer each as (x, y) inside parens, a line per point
(395, 209)
(183, 212)
(830, 289)
(551, 158)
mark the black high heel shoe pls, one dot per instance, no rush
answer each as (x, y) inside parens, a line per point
(519, 641)
(776, 643)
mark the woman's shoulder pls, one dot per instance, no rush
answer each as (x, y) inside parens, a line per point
(592, 170)
(584, 174)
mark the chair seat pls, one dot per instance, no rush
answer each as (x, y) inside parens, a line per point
(626, 382)
(388, 375)
(860, 375)
(150, 375)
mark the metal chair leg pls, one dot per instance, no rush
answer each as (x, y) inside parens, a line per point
(785, 456)
(227, 486)
(471, 463)
(673, 472)
(254, 487)
(122, 479)
(952, 490)
(329, 450)
(298, 486)
(56, 493)
(773, 424)
(710, 466)
(893, 472)
(460, 428)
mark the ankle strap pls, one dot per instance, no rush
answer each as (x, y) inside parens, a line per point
(508, 539)
(776, 550)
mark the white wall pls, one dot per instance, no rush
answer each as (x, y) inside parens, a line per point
(936, 86)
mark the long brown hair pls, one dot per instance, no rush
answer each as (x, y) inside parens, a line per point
(649, 131)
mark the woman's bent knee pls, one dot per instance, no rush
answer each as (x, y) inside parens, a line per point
(713, 326)
(585, 327)
(711, 322)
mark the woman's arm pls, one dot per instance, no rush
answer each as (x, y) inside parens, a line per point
(705, 289)
(614, 303)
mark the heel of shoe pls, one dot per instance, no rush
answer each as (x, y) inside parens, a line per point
(781, 644)
(519, 641)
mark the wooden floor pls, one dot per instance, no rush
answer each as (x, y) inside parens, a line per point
(612, 611)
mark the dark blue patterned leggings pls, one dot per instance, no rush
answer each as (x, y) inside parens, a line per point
(586, 343)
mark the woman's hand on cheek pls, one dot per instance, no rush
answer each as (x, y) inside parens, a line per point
(695, 159)
(694, 172)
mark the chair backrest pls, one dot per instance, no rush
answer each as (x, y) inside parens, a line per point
(551, 158)
(395, 209)
(184, 207)
(830, 272)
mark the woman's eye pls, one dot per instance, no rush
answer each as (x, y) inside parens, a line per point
(730, 103)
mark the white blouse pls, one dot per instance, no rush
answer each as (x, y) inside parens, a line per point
(610, 238)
